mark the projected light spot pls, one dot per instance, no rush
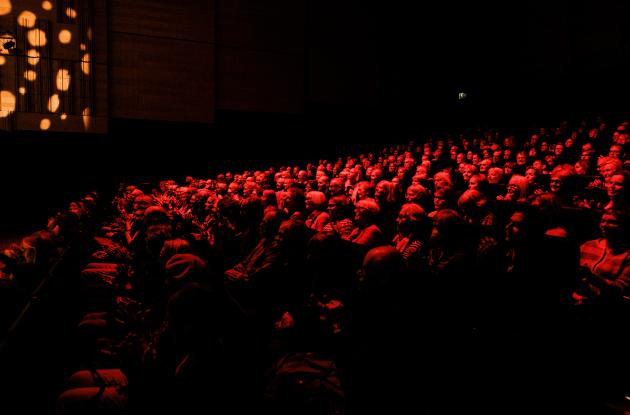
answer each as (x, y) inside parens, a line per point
(7, 103)
(85, 64)
(63, 79)
(33, 57)
(82, 46)
(44, 124)
(53, 103)
(46, 5)
(36, 37)
(86, 118)
(71, 13)
(30, 75)
(5, 7)
(27, 19)
(64, 116)
(22, 90)
(65, 36)
(2, 60)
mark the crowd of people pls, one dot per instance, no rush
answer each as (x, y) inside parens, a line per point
(397, 279)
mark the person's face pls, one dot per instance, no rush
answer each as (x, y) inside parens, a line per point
(361, 215)
(512, 191)
(610, 227)
(410, 195)
(475, 159)
(530, 175)
(615, 151)
(362, 192)
(473, 183)
(544, 146)
(336, 187)
(233, 188)
(404, 221)
(379, 191)
(496, 156)
(555, 184)
(514, 228)
(558, 149)
(521, 159)
(493, 176)
(614, 185)
(460, 158)
(468, 172)
(579, 169)
(484, 166)
(607, 170)
(568, 143)
(469, 155)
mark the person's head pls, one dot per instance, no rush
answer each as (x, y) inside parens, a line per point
(476, 181)
(339, 207)
(618, 186)
(614, 226)
(366, 212)
(615, 151)
(531, 175)
(410, 218)
(442, 180)
(415, 193)
(270, 223)
(516, 227)
(364, 190)
(440, 199)
(383, 267)
(607, 166)
(495, 175)
(580, 167)
(517, 188)
(294, 201)
(471, 202)
(336, 187)
(315, 201)
(559, 176)
(448, 228)
(521, 158)
(469, 171)
(485, 165)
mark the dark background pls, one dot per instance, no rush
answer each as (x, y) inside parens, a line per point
(369, 73)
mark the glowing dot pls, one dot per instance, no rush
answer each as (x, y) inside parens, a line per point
(65, 36)
(63, 79)
(46, 5)
(22, 90)
(71, 13)
(64, 116)
(5, 7)
(89, 33)
(7, 103)
(53, 103)
(36, 37)
(85, 64)
(44, 124)
(2, 60)
(82, 46)
(33, 57)
(86, 118)
(30, 75)
(27, 19)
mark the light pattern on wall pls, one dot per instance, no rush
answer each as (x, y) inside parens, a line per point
(48, 70)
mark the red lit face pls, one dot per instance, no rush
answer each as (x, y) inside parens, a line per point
(615, 185)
